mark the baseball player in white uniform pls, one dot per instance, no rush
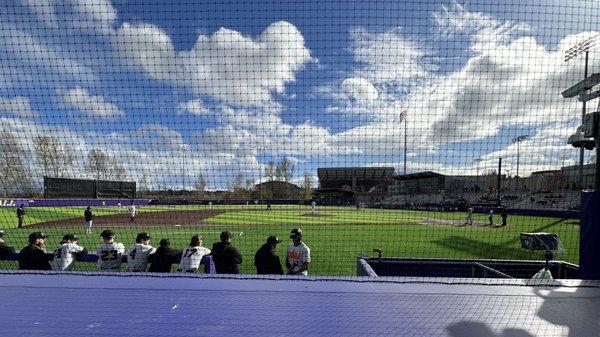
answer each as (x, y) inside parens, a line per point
(470, 216)
(192, 255)
(132, 213)
(109, 252)
(137, 256)
(298, 254)
(66, 253)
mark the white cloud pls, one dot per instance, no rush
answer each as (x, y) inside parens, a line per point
(389, 57)
(91, 106)
(233, 68)
(360, 89)
(40, 64)
(99, 15)
(17, 106)
(195, 107)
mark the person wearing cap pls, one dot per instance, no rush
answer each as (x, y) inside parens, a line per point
(66, 253)
(109, 252)
(137, 256)
(33, 256)
(298, 254)
(89, 217)
(226, 257)
(6, 251)
(20, 216)
(266, 259)
(163, 258)
(191, 257)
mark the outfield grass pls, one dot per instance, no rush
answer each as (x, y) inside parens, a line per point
(335, 235)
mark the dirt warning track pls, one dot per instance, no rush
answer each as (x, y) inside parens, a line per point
(146, 219)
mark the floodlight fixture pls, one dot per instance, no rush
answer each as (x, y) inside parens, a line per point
(518, 140)
(582, 86)
(581, 47)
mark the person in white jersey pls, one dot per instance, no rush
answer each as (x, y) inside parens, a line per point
(137, 256)
(66, 253)
(192, 255)
(298, 254)
(109, 252)
(132, 213)
(470, 216)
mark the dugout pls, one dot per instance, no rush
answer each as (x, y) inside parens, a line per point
(56, 188)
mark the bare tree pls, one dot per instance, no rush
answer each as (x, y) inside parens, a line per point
(13, 173)
(98, 163)
(270, 171)
(308, 189)
(54, 157)
(200, 185)
(143, 185)
(116, 170)
(285, 170)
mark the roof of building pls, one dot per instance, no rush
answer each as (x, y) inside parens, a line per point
(418, 175)
(361, 173)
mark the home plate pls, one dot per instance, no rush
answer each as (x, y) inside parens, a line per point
(176, 225)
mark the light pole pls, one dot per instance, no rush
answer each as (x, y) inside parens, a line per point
(571, 53)
(183, 148)
(477, 160)
(518, 140)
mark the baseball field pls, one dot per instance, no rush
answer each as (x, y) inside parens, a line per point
(336, 235)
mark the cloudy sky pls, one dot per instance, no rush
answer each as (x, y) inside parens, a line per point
(174, 90)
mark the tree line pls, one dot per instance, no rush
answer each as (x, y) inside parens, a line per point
(54, 159)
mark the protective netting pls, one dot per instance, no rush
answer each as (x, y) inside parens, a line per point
(423, 129)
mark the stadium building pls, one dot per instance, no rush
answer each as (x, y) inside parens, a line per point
(277, 190)
(349, 185)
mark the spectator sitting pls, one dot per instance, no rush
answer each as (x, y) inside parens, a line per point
(163, 258)
(225, 256)
(33, 256)
(5, 250)
(266, 259)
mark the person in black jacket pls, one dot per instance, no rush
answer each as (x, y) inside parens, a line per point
(33, 256)
(89, 217)
(163, 258)
(21, 216)
(225, 256)
(266, 259)
(5, 250)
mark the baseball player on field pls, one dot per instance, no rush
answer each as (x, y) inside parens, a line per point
(132, 213)
(89, 217)
(66, 253)
(298, 254)
(192, 255)
(109, 252)
(137, 256)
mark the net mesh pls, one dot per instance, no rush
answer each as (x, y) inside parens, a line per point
(424, 129)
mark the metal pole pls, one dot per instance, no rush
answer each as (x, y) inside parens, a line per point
(518, 157)
(405, 144)
(499, 182)
(583, 111)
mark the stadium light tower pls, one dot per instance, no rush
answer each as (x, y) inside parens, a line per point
(403, 115)
(571, 53)
(183, 148)
(518, 140)
(477, 160)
